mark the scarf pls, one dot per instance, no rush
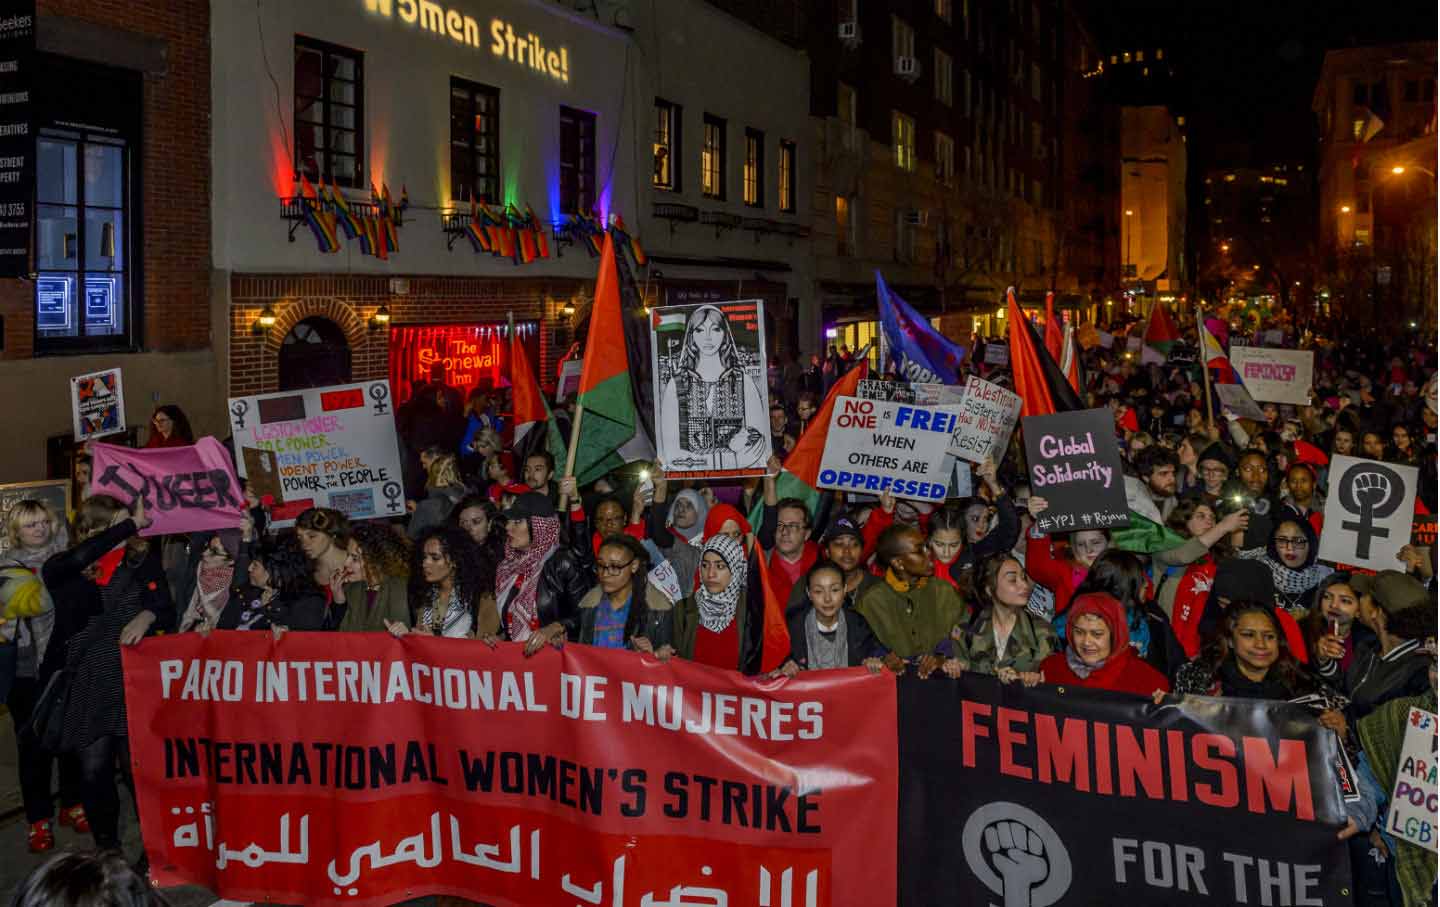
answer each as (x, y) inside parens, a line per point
(212, 592)
(701, 509)
(1289, 581)
(826, 653)
(1108, 609)
(521, 569)
(454, 622)
(718, 610)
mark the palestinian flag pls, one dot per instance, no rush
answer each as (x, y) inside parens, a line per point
(1070, 358)
(775, 638)
(534, 429)
(1042, 386)
(1147, 532)
(607, 416)
(1054, 334)
(1161, 333)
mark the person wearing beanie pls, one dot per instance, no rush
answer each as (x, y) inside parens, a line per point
(1214, 466)
(1099, 654)
(1401, 614)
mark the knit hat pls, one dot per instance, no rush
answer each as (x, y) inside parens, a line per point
(1217, 452)
(1242, 579)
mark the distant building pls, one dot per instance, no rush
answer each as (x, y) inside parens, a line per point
(1153, 198)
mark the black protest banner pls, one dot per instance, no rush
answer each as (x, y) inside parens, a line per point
(1074, 464)
(1051, 797)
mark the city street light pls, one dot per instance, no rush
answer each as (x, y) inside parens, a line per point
(1399, 169)
(1344, 209)
(1129, 238)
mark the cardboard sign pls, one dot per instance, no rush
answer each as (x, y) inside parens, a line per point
(1274, 375)
(664, 578)
(55, 492)
(569, 379)
(988, 413)
(97, 405)
(262, 474)
(1074, 464)
(1369, 512)
(919, 393)
(1235, 399)
(185, 489)
(334, 447)
(997, 354)
(711, 415)
(1412, 802)
(874, 446)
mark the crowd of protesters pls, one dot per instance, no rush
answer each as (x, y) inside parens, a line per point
(498, 547)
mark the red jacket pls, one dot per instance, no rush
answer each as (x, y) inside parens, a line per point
(1059, 576)
(1124, 672)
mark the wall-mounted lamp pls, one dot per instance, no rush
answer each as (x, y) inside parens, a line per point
(265, 321)
(567, 310)
(380, 319)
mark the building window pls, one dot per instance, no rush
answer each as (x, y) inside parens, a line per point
(902, 134)
(712, 159)
(665, 146)
(577, 160)
(844, 227)
(847, 10)
(1037, 84)
(944, 158)
(787, 177)
(1357, 128)
(943, 9)
(904, 251)
(902, 38)
(944, 78)
(83, 239)
(474, 141)
(753, 178)
(1362, 236)
(329, 112)
(965, 98)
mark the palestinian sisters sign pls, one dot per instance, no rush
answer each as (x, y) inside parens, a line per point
(711, 416)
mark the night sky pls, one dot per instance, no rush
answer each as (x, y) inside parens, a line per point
(1247, 68)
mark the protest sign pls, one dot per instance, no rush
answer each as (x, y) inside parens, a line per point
(359, 769)
(1274, 375)
(1151, 356)
(1235, 399)
(1075, 466)
(97, 404)
(964, 480)
(334, 447)
(262, 474)
(54, 492)
(920, 393)
(873, 446)
(185, 489)
(987, 416)
(997, 353)
(1412, 802)
(1369, 512)
(569, 383)
(1113, 800)
(711, 414)
(664, 578)
(1422, 530)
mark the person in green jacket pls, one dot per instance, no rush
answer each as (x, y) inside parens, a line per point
(910, 612)
(374, 595)
(1005, 639)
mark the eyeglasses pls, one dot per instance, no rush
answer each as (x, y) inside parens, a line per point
(613, 569)
(1214, 471)
(1282, 541)
(790, 527)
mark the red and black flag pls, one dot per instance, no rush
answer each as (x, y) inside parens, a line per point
(1039, 381)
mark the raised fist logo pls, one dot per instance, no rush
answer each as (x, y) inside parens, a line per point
(1372, 491)
(1017, 855)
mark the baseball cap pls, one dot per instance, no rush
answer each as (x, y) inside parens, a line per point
(1392, 590)
(528, 505)
(843, 527)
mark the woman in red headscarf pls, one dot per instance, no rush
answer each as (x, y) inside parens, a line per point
(1099, 654)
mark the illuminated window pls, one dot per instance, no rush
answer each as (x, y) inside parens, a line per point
(944, 158)
(329, 112)
(844, 227)
(474, 141)
(943, 9)
(577, 160)
(712, 158)
(752, 179)
(1159, 53)
(665, 146)
(786, 177)
(1357, 128)
(1362, 236)
(902, 135)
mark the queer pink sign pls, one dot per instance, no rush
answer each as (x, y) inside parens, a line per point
(185, 489)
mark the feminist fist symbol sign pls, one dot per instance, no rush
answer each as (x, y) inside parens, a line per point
(1017, 855)
(1372, 491)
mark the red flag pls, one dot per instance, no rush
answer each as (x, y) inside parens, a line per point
(1038, 380)
(1054, 337)
(775, 647)
(1161, 331)
(804, 459)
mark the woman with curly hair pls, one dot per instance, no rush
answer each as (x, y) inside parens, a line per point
(278, 592)
(478, 517)
(375, 593)
(1250, 658)
(447, 591)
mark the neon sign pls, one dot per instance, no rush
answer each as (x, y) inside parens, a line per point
(527, 49)
(462, 356)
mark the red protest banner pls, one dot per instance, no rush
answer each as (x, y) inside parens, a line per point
(361, 769)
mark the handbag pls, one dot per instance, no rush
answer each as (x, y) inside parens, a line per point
(47, 721)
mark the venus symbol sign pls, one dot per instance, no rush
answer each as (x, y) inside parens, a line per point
(1371, 491)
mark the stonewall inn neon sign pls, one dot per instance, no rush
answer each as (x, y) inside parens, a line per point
(525, 49)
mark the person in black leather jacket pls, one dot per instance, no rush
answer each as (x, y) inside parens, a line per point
(544, 575)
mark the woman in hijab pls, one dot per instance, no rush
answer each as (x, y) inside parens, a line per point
(1121, 575)
(677, 528)
(1099, 654)
(712, 625)
(540, 582)
(724, 519)
(1290, 554)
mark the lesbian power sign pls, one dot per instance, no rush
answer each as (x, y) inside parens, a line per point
(185, 489)
(1074, 464)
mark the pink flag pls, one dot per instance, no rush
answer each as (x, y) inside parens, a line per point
(186, 489)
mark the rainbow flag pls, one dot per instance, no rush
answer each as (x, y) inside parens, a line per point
(347, 219)
(387, 219)
(475, 231)
(542, 242)
(320, 221)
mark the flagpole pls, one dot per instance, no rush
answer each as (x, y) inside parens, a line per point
(1204, 364)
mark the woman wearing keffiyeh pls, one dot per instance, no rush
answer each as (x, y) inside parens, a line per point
(712, 625)
(543, 577)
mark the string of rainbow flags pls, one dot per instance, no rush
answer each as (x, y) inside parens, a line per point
(502, 231)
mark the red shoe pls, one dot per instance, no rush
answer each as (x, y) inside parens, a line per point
(74, 817)
(41, 838)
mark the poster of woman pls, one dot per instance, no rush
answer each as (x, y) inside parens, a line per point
(711, 411)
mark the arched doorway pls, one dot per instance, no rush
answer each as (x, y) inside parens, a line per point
(314, 354)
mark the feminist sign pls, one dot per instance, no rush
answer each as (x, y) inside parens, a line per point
(874, 446)
(1369, 512)
(1074, 464)
(1412, 802)
(185, 489)
(1274, 375)
(988, 413)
